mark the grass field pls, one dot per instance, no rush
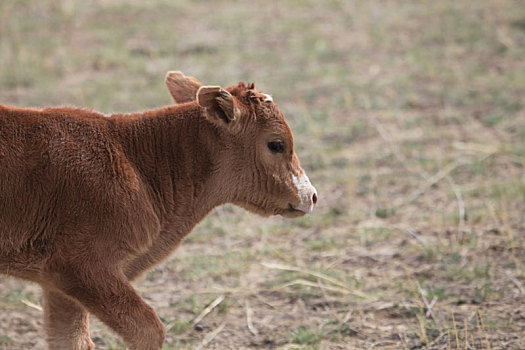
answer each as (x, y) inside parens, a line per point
(409, 117)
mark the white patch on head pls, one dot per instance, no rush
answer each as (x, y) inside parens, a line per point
(305, 191)
(267, 98)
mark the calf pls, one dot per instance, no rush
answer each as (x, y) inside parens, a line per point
(89, 202)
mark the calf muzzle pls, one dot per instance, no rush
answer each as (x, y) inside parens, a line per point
(306, 192)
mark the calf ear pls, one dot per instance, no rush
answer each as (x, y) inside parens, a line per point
(182, 88)
(219, 102)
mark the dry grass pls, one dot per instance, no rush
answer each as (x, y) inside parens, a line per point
(409, 118)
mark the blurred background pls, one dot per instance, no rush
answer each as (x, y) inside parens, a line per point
(409, 118)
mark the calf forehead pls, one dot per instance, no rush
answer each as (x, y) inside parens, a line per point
(268, 110)
(267, 114)
(271, 119)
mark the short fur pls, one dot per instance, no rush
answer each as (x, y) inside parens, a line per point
(89, 202)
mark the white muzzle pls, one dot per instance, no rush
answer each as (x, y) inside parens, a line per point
(307, 193)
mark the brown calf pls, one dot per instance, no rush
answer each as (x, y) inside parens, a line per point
(89, 202)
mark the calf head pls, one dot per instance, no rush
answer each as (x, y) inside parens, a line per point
(257, 152)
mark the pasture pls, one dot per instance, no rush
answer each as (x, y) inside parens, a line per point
(409, 118)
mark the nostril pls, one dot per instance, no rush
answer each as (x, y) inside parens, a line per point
(314, 198)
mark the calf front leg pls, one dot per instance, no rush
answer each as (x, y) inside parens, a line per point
(66, 323)
(165, 243)
(109, 296)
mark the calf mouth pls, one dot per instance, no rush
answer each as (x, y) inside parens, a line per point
(291, 212)
(288, 212)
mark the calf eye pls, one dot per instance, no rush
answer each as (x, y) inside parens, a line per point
(276, 146)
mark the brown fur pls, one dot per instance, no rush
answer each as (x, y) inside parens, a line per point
(89, 202)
